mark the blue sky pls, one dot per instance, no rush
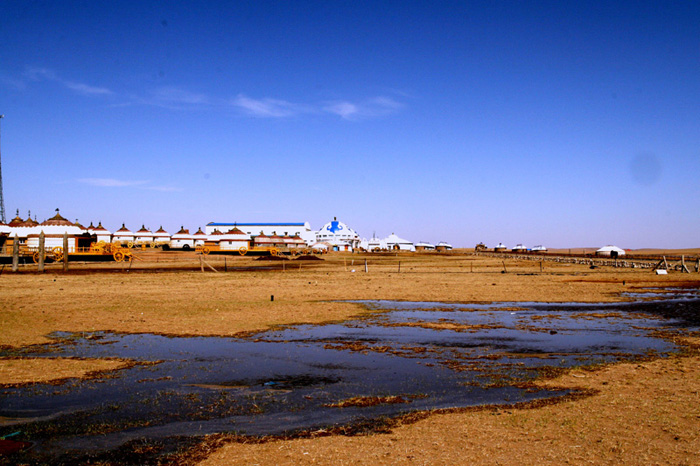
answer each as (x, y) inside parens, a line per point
(559, 123)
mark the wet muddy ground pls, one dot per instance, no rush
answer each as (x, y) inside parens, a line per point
(407, 357)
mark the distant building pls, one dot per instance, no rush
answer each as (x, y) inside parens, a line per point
(442, 246)
(610, 251)
(424, 246)
(338, 236)
(300, 229)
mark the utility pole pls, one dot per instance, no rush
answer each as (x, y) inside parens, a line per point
(2, 200)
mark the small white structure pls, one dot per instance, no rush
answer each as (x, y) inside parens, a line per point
(396, 243)
(54, 229)
(262, 240)
(374, 244)
(182, 240)
(519, 248)
(199, 237)
(610, 251)
(161, 237)
(123, 236)
(539, 248)
(323, 247)
(143, 236)
(500, 247)
(234, 240)
(100, 233)
(443, 246)
(424, 246)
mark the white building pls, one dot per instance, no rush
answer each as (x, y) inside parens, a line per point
(301, 229)
(161, 237)
(396, 243)
(424, 246)
(443, 246)
(199, 237)
(100, 233)
(54, 229)
(338, 236)
(123, 236)
(143, 236)
(610, 251)
(182, 240)
(233, 240)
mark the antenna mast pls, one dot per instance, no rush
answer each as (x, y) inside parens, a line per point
(2, 200)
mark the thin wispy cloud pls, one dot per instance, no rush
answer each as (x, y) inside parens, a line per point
(137, 184)
(44, 74)
(268, 108)
(370, 108)
(110, 182)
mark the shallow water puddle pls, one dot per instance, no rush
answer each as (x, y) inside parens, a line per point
(412, 356)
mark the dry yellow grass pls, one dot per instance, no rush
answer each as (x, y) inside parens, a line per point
(31, 370)
(636, 417)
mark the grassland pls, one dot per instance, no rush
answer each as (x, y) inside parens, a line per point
(640, 413)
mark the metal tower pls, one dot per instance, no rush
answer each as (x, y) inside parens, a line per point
(2, 200)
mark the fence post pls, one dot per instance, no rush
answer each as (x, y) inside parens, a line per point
(42, 250)
(15, 254)
(65, 252)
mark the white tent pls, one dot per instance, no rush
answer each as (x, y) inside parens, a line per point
(609, 251)
(394, 242)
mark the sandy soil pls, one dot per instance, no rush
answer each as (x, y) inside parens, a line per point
(642, 412)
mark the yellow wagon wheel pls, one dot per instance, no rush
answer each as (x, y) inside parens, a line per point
(153, 244)
(242, 250)
(130, 244)
(35, 257)
(118, 256)
(274, 251)
(57, 253)
(205, 250)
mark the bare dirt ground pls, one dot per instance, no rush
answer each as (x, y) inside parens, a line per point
(641, 413)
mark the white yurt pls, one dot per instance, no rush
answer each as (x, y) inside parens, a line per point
(182, 239)
(297, 242)
(443, 246)
(610, 251)
(262, 240)
(424, 246)
(123, 236)
(54, 229)
(143, 236)
(199, 237)
(539, 248)
(500, 247)
(519, 248)
(100, 233)
(233, 240)
(374, 244)
(396, 243)
(161, 236)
